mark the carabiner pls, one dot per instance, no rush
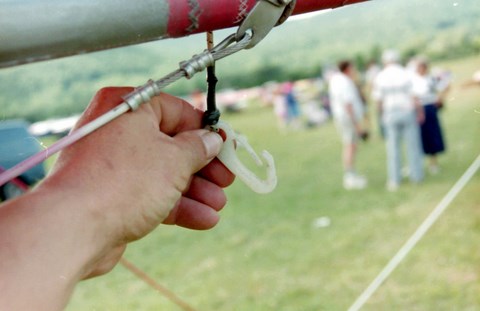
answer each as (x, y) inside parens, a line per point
(265, 15)
(224, 43)
(230, 159)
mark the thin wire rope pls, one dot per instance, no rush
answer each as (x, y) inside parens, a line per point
(155, 285)
(417, 235)
(144, 92)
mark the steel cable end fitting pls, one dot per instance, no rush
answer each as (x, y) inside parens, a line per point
(197, 63)
(141, 95)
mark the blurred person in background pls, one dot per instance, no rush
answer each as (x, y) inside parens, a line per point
(279, 104)
(309, 93)
(430, 94)
(349, 112)
(401, 116)
(293, 107)
(369, 78)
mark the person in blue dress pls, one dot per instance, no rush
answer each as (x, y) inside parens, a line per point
(430, 94)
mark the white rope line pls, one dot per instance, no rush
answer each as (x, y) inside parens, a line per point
(419, 233)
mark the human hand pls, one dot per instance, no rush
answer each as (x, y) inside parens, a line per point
(361, 132)
(146, 167)
(112, 187)
(364, 135)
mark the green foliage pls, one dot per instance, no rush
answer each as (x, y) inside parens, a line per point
(294, 50)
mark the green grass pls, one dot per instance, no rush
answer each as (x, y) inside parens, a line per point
(266, 253)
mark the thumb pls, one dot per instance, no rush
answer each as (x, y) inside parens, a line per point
(199, 147)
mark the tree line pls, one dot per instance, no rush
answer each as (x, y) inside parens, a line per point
(296, 50)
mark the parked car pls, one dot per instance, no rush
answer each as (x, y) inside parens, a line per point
(16, 145)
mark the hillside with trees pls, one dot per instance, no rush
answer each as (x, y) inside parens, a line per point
(296, 49)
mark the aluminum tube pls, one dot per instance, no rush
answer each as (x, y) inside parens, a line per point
(35, 30)
(32, 30)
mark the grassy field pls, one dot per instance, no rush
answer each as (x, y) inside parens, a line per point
(268, 254)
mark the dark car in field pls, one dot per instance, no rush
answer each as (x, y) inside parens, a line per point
(16, 145)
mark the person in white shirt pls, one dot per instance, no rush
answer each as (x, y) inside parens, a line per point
(401, 116)
(348, 111)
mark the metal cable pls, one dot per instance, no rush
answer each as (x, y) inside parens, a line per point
(229, 50)
(132, 101)
(171, 78)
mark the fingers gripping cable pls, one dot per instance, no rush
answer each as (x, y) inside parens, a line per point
(261, 19)
(131, 102)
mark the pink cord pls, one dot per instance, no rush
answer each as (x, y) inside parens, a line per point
(62, 143)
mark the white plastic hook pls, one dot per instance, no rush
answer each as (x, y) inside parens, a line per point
(230, 159)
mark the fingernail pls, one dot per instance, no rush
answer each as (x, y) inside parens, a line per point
(213, 143)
